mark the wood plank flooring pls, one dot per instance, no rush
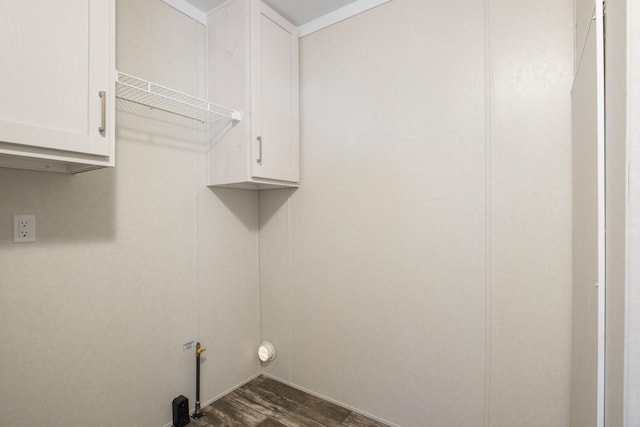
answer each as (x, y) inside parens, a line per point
(265, 402)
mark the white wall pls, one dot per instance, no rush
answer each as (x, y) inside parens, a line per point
(530, 144)
(632, 325)
(623, 224)
(422, 272)
(616, 208)
(586, 269)
(129, 263)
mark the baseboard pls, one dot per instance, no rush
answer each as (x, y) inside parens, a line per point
(344, 405)
(296, 386)
(224, 393)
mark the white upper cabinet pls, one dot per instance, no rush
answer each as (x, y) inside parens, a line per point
(253, 68)
(57, 104)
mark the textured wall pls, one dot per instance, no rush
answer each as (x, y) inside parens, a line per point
(423, 269)
(130, 263)
(616, 208)
(632, 362)
(421, 273)
(531, 57)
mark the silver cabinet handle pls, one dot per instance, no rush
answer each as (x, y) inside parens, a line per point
(259, 159)
(103, 115)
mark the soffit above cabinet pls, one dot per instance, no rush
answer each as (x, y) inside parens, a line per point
(308, 15)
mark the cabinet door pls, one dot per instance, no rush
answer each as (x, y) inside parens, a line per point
(274, 96)
(55, 61)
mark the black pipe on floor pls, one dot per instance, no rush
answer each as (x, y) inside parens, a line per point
(198, 412)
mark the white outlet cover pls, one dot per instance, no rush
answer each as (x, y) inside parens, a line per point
(24, 228)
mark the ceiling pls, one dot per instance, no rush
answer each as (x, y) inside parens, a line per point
(299, 12)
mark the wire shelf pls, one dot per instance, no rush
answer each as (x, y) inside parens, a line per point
(162, 98)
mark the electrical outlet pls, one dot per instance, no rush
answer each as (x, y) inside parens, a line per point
(24, 228)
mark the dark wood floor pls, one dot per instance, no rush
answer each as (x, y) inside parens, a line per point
(264, 402)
